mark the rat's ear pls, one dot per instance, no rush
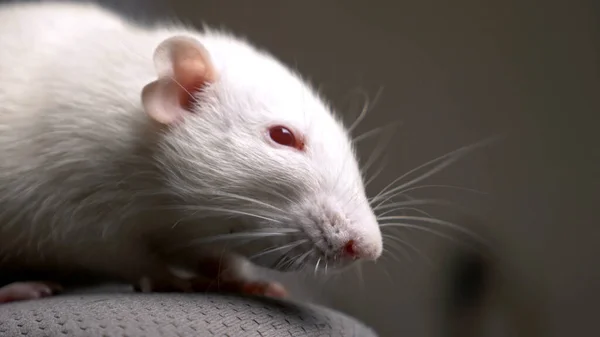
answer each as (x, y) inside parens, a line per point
(183, 66)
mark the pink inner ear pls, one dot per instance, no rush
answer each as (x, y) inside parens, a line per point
(192, 74)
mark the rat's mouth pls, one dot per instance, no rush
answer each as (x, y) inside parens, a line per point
(297, 252)
(304, 257)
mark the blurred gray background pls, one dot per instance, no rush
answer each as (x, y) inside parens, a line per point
(455, 72)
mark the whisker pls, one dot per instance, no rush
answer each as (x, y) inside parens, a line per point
(424, 176)
(367, 106)
(436, 222)
(361, 279)
(378, 172)
(198, 209)
(390, 253)
(280, 261)
(421, 228)
(438, 202)
(460, 188)
(414, 188)
(395, 244)
(294, 264)
(240, 239)
(243, 235)
(288, 265)
(415, 202)
(453, 156)
(302, 258)
(209, 192)
(379, 149)
(388, 275)
(388, 211)
(368, 134)
(279, 248)
(414, 209)
(281, 230)
(409, 245)
(241, 197)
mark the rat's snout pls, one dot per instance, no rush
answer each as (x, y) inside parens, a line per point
(363, 238)
(349, 233)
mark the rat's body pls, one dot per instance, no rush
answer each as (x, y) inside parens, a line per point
(119, 156)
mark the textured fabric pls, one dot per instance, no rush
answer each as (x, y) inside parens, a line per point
(181, 315)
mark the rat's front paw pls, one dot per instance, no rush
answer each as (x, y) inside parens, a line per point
(246, 287)
(228, 274)
(269, 289)
(260, 288)
(23, 291)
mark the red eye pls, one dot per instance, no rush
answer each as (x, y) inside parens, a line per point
(284, 136)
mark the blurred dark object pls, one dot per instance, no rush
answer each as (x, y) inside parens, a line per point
(468, 286)
(470, 279)
(482, 300)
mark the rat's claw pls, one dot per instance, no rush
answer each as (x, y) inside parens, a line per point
(270, 289)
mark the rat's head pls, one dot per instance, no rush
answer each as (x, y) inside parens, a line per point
(245, 136)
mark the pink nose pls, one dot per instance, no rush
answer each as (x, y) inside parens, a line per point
(350, 249)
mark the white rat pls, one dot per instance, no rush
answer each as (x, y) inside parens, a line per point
(165, 157)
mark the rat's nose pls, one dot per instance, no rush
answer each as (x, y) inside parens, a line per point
(360, 250)
(350, 249)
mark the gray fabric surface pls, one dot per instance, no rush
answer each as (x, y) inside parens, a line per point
(121, 314)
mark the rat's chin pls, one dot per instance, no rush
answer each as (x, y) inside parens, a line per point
(303, 260)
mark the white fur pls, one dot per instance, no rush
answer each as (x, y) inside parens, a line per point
(85, 174)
